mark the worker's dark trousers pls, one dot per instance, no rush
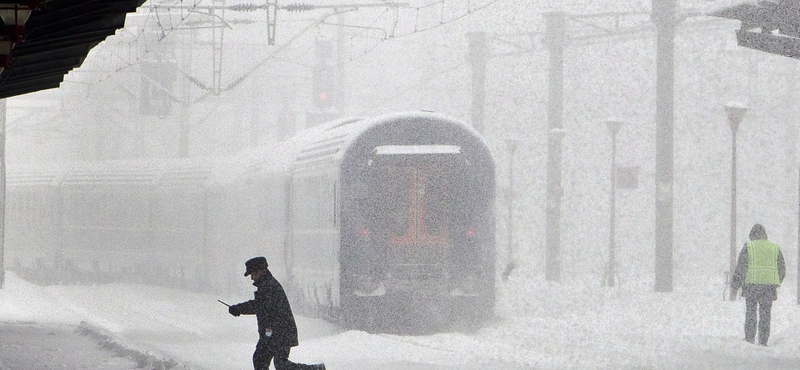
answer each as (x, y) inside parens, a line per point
(763, 305)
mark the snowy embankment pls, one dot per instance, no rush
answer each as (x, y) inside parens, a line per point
(547, 327)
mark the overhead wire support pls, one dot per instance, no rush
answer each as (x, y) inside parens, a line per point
(303, 7)
(272, 20)
(271, 7)
(296, 7)
(299, 7)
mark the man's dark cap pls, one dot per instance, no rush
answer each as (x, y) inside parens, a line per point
(254, 264)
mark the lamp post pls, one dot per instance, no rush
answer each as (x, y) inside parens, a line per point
(512, 263)
(736, 112)
(613, 127)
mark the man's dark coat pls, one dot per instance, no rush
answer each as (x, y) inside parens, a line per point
(272, 311)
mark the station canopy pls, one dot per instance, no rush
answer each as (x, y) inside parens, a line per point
(771, 26)
(43, 40)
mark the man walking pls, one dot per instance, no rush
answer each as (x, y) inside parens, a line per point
(759, 272)
(277, 331)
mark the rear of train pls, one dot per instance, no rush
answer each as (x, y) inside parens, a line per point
(400, 232)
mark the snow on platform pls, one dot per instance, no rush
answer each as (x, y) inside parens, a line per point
(547, 327)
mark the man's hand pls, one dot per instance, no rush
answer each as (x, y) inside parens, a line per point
(234, 310)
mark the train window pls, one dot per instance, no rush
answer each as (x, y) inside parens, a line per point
(82, 210)
(127, 210)
(24, 201)
(399, 197)
(316, 214)
(315, 202)
(45, 209)
(43, 206)
(29, 201)
(186, 209)
(307, 213)
(275, 199)
(359, 190)
(436, 204)
(335, 204)
(299, 208)
(325, 208)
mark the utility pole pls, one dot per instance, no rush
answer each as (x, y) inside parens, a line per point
(323, 89)
(2, 189)
(272, 20)
(664, 18)
(256, 100)
(611, 274)
(185, 108)
(510, 200)
(477, 57)
(341, 40)
(735, 112)
(555, 40)
(218, 35)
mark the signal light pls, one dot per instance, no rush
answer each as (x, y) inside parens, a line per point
(365, 232)
(470, 233)
(324, 75)
(323, 98)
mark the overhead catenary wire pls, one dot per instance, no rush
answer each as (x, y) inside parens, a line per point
(160, 17)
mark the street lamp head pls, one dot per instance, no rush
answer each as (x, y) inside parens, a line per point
(512, 143)
(735, 111)
(614, 125)
(557, 132)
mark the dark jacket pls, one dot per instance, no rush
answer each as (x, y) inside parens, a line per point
(755, 290)
(272, 311)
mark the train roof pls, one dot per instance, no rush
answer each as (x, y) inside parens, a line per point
(330, 141)
(319, 144)
(35, 174)
(148, 172)
(325, 143)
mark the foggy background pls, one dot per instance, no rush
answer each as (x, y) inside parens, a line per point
(194, 82)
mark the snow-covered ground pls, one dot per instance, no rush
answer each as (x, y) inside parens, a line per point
(538, 326)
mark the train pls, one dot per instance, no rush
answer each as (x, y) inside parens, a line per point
(382, 223)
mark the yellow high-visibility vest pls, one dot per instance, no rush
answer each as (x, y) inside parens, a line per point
(762, 263)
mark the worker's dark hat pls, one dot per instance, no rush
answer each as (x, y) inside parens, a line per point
(254, 264)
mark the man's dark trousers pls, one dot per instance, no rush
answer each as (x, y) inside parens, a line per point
(763, 304)
(265, 353)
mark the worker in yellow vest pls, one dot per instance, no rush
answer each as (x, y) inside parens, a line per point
(759, 272)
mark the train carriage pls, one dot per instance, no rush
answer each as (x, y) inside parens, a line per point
(33, 199)
(400, 228)
(135, 221)
(382, 223)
